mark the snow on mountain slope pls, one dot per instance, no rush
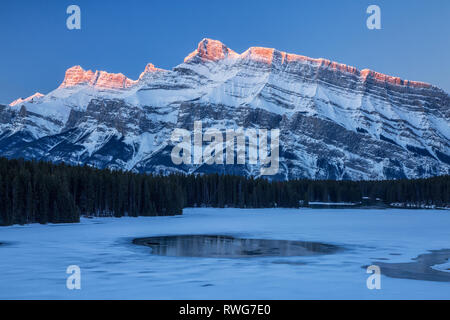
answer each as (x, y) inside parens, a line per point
(336, 122)
(33, 97)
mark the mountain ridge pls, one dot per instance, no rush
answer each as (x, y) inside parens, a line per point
(77, 75)
(336, 121)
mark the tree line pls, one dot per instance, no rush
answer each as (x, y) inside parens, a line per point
(236, 191)
(32, 191)
(41, 192)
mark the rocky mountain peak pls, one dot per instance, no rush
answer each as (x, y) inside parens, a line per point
(150, 69)
(366, 74)
(211, 50)
(76, 75)
(31, 98)
(335, 121)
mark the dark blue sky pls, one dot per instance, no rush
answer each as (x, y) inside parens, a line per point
(123, 36)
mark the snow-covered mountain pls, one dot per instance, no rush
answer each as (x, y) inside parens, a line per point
(336, 122)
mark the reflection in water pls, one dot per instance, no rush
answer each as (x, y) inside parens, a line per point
(229, 247)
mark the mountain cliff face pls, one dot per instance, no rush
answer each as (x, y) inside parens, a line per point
(336, 122)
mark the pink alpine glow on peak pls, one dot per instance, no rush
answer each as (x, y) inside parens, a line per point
(100, 79)
(150, 68)
(33, 97)
(214, 50)
(380, 77)
(266, 55)
(107, 80)
(260, 54)
(76, 75)
(211, 50)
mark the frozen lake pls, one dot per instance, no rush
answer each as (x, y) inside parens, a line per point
(34, 258)
(219, 246)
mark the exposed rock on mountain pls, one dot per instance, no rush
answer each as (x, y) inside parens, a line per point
(336, 122)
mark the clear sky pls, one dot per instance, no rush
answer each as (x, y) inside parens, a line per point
(123, 36)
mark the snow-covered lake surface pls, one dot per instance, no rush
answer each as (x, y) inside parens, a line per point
(34, 258)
